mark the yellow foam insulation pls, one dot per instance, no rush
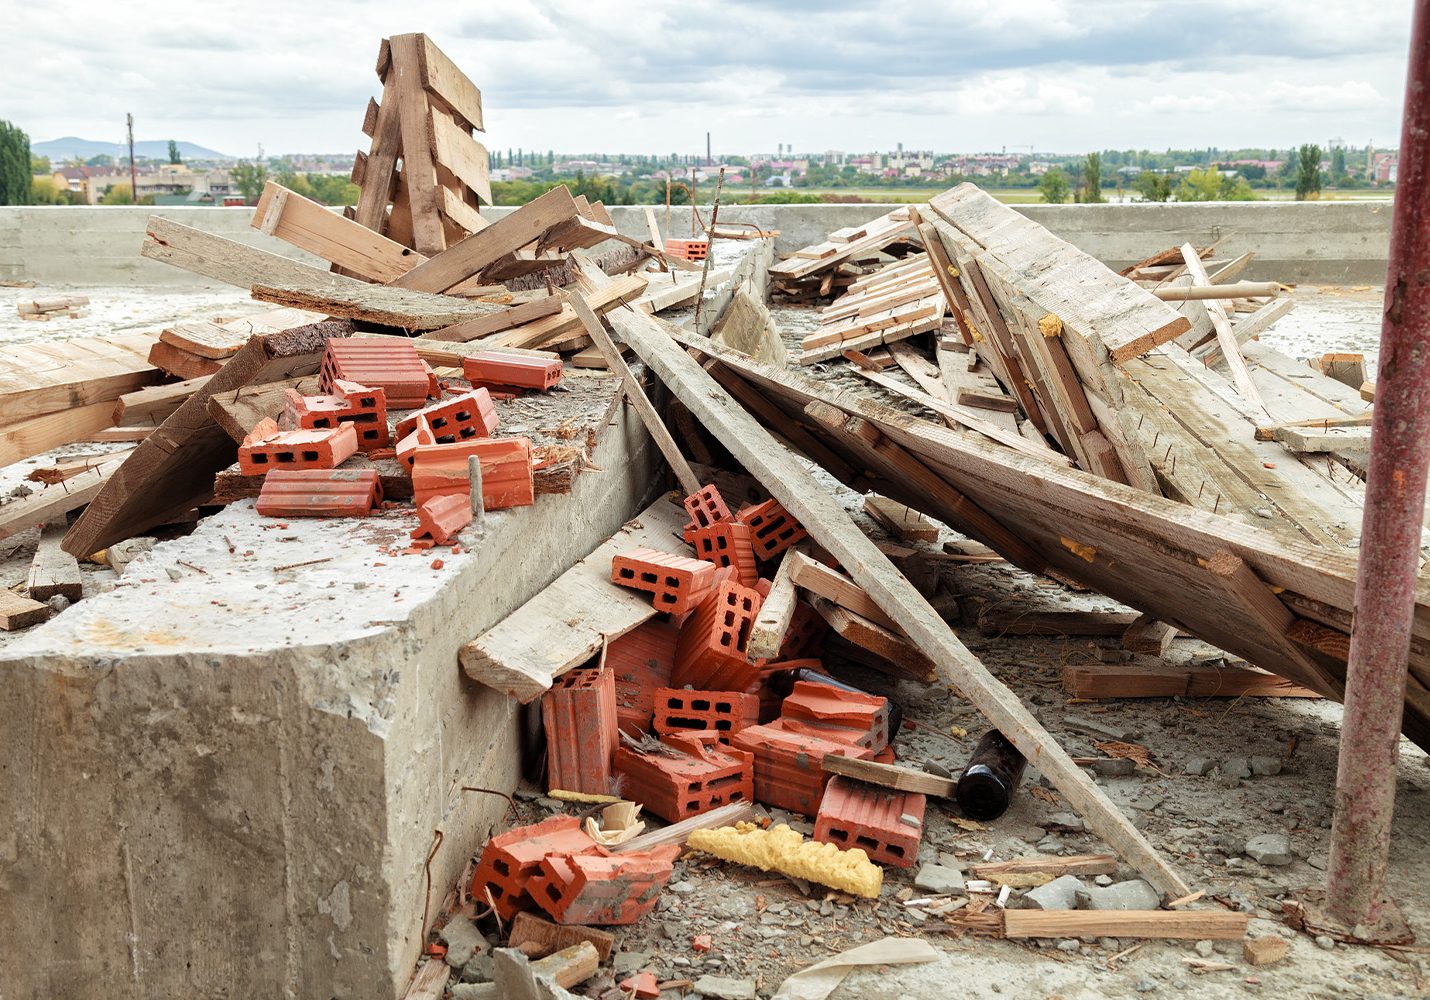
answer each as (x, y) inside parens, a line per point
(1051, 326)
(782, 850)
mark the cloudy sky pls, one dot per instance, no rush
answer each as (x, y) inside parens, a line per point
(575, 75)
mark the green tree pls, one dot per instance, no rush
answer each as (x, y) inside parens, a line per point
(1092, 173)
(1308, 172)
(249, 178)
(1153, 186)
(100, 160)
(1338, 166)
(1054, 187)
(14, 165)
(119, 194)
(1200, 185)
(174, 152)
(44, 191)
(1290, 167)
(40, 165)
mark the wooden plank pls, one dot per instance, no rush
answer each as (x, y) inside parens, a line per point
(154, 403)
(18, 612)
(459, 153)
(537, 937)
(375, 172)
(419, 172)
(32, 386)
(664, 349)
(904, 523)
(239, 411)
(1190, 925)
(512, 316)
(679, 833)
(1149, 636)
(895, 776)
(1231, 354)
(205, 338)
(180, 363)
(24, 438)
(53, 570)
(652, 228)
(996, 620)
(123, 434)
(569, 622)
(560, 328)
(767, 634)
(1073, 864)
(317, 229)
(467, 259)
(176, 464)
(893, 654)
(56, 500)
(430, 982)
(447, 84)
(835, 587)
(1167, 680)
(293, 283)
(1247, 328)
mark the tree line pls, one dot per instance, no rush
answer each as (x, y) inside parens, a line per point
(1085, 183)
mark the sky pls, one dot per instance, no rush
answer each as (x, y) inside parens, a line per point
(980, 75)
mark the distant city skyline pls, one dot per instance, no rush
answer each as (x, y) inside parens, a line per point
(1050, 75)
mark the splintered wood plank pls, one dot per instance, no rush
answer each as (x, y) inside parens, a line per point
(176, 464)
(1075, 864)
(419, 172)
(180, 363)
(835, 587)
(570, 621)
(895, 776)
(1187, 925)
(679, 833)
(155, 403)
(18, 612)
(53, 570)
(430, 982)
(767, 634)
(664, 348)
(313, 227)
(1149, 636)
(511, 316)
(1166, 680)
(376, 171)
(57, 499)
(902, 522)
(1231, 353)
(537, 937)
(241, 410)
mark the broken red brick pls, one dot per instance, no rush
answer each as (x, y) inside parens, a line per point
(805, 633)
(441, 469)
(472, 414)
(724, 712)
(789, 773)
(406, 452)
(579, 714)
(510, 860)
(642, 986)
(440, 518)
(771, 700)
(706, 507)
(727, 543)
(711, 653)
(362, 406)
(491, 367)
(319, 493)
(886, 824)
(596, 889)
(677, 582)
(772, 528)
(702, 942)
(642, 661)
(387, 363)
(865, 716)
(269, 448)
(675, 786)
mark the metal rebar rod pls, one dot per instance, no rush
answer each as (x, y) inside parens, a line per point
(1390, 532)
(709, 248)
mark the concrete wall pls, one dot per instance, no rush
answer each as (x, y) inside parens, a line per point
(225, 784)
(1313, 242)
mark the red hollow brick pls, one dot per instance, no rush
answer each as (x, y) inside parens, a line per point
(388, 363)
(771, 700)
(711, 653)
(642, 660)
(268, 448)
(702, 775)
(491, 367)
(440, 518)
(441, 470)
(727, 543)
(706, 507)
(724, 712)
(789, 772)
(350, 403)
(472, 414)
(689, 249)
(406, 452)
(805, 633)
(772, 528)
(866, 716)
(602, 890)
(579, 714)
(887, 825)
(319, 493)
(510, 860)
(677, 583)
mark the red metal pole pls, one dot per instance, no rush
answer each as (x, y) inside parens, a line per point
(1390, 533)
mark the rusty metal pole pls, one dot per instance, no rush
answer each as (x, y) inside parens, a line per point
(1390, 533)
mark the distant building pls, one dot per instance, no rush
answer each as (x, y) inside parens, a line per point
(1384, 167)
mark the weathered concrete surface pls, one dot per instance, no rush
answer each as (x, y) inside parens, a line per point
(1332, 242)
(223, 777)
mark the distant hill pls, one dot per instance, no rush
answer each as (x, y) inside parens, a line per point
(71, 146)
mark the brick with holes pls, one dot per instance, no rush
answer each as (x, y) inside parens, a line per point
(388, 363)
(712, 651)
(603, 890)
(724, 712)
(772, 528)
(805, 633)
(789, 773)
(677, 583)
(267, 447)
(510, 860)
(472, 414)
(727, 543)
(771, 700)
(579, 714)
(642, 661)
(831, 709)
(362, 406)
(440, 518)
(886, 824)
(706, 507)
(406, 451)
(490, 368)
(692, 772)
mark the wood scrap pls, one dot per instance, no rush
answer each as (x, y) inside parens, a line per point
(1167, 680)
(536, 937)
(54, 572)
(18, 612)
(895, 776)
(893, 654)
(904, 523)
(1190, 925)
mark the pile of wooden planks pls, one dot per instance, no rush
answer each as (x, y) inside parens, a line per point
(52, 307)
(835, 263)
(896, 302)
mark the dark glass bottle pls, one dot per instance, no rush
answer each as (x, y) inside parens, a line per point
(986, 786)
(782, 682)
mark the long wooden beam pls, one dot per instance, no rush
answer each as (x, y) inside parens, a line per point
(830, 525)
